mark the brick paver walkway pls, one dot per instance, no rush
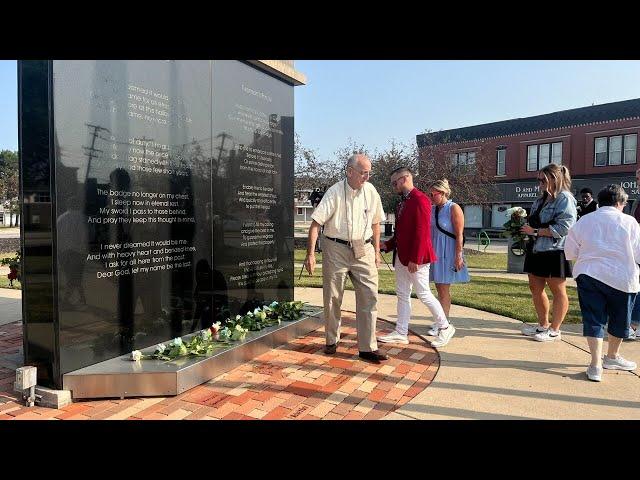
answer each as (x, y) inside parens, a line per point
(294, 381)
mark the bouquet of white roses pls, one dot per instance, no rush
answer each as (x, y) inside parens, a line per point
(235, 329)
(516, 220)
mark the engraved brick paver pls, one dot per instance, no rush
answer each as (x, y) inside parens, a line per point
(295, 381)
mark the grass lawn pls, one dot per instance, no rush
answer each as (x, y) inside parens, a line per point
(4, 283)
(494, 261)
(507, 297)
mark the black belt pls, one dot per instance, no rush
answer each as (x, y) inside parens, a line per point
(344, 242)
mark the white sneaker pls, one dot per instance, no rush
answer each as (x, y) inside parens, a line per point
(433, 331)
(443, 337)
(594, 374)
(532, 329)
(547, 336)
(394, 337)
(633, 334)
(618, 363)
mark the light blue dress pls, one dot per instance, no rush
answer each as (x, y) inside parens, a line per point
(445, 247)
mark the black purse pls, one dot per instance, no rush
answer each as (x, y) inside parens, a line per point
(534, 221)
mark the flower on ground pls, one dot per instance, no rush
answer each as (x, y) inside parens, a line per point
(239, 333)
(160, 348)
(136, 355)
(215, 330)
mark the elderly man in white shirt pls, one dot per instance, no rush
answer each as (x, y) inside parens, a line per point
(351, 212)
(606, 248)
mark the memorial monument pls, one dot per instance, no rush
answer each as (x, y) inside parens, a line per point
(157, 199)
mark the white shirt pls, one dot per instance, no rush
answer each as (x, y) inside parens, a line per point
(606, 246)
(353, 220)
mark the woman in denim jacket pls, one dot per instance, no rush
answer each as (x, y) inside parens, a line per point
(552, 215)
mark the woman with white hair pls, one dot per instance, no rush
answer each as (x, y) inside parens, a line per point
(606, 248)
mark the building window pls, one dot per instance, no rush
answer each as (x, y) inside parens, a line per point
(463, 158)
(630, 148)
(601, 152)
(615, 150)
(539, 156)
(300, 211)
(556, 153)
(471, 158)
(501, 162)
(532, 158)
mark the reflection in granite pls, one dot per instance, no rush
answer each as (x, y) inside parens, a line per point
(172, 202)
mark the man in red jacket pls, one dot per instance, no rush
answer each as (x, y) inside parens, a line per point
(412, 254)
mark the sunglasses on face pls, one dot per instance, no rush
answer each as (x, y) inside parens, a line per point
(395, 182)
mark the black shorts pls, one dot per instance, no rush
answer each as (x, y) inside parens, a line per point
(547, 264)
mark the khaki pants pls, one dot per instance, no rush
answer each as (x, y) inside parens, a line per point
(338, 261)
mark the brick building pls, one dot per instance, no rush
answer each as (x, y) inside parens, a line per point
(599, 145)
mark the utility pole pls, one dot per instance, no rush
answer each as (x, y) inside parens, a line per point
(92, 152)
(224, 136)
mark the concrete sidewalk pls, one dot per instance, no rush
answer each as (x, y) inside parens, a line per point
(491, 371)
(10, 305)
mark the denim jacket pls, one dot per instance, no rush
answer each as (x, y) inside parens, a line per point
(562, 211)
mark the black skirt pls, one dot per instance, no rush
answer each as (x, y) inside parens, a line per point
(547, 264)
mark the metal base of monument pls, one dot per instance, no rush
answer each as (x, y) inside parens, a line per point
(120, 377)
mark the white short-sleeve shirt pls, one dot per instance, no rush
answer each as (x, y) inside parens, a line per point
(353, 219)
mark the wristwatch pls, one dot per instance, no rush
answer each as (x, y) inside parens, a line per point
(535, 232)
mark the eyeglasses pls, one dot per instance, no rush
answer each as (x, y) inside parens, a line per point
(395, 182)
(435, 193)
(362, 174)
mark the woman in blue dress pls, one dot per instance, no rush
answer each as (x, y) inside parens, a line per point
(447, 236)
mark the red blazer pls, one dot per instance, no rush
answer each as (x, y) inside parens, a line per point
(412, 238)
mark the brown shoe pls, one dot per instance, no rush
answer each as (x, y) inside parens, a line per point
(330, 349)
(374, 357)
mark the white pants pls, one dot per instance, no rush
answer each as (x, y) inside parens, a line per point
(404, 283)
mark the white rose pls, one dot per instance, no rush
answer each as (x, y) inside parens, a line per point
(136, 355)
(161, 348)
(176, 341)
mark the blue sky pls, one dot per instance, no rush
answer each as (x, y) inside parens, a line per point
(372, 102)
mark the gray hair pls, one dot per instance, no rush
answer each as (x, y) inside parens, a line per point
(353, 159)
(612, 195)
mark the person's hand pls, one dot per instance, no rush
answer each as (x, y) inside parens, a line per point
(527, 229)
(412, 267)
(459, 263)
(310, 263)
(378, 259)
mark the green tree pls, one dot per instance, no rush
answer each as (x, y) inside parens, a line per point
(9, 180)
(306, 166)
(470, 183)
(383, 163)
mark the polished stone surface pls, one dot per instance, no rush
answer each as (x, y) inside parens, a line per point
(158, 200)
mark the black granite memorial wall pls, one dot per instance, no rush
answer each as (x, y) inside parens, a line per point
(157, 199)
